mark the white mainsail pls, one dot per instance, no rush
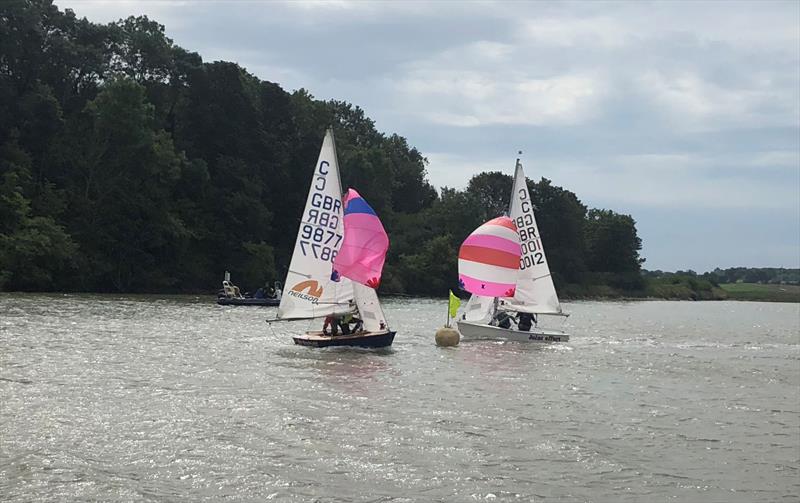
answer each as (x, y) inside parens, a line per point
(309, 291)
(535, 291)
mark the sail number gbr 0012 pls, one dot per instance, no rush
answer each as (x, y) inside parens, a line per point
(530, 243)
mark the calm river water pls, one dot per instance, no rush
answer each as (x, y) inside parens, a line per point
(106, 398)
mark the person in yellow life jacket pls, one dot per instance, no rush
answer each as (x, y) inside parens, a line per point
(344, 323)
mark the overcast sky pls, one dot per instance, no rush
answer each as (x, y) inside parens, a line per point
(684, 114)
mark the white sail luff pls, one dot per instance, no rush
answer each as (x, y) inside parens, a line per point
(535, 292)
(309, 291)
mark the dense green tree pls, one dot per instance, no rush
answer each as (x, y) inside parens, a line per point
(492, 193)
(612, 242)
(433, 269)
(561, 218)
(129, 164)
(122, 173)
(34, 249)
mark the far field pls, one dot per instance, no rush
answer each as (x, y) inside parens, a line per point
(756, 291)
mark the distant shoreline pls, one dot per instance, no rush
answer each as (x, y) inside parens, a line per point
(745, 292)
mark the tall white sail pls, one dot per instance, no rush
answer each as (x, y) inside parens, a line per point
(309, 291)
(535, 291)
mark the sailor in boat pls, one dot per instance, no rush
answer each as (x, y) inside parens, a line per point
(502, 319)
(344, 323)
(358, 325)
(332, 322)
(524, 321)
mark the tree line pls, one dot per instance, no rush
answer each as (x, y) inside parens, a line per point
(129, 164)
(763, 275)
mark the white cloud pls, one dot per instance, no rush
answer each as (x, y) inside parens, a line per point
(676, 181)
(777, 158)
(697, 104)
(476, 99)
(679, 180)
(166, 12)
(569, 32)
(455, 171)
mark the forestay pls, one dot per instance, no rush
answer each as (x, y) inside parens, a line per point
(310, 292)
(535, 292)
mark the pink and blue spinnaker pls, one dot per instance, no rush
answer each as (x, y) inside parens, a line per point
(365, 243)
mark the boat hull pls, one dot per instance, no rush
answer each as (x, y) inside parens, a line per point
(478, 331)
(317, 339)
(226, 301)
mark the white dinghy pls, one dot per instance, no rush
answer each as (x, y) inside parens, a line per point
(533, 293)
(312, 291)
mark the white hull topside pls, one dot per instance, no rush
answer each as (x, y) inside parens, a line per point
(479, 331)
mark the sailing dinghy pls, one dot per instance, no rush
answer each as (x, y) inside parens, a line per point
(503, 265)
(337, 261)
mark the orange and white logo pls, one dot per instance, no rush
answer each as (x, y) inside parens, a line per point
(309, 290)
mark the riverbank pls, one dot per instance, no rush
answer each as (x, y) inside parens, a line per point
(679, 289)
(655, 290)
(763, 293)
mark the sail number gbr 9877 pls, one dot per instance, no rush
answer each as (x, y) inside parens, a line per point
(319, 236)
(528, 234)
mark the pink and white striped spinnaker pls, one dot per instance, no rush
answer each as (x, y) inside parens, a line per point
(488, 261)
(365, 243)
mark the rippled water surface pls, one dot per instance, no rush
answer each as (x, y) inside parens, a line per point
(177, 399)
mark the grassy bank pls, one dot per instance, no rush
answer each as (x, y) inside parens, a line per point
(766, 293)
(672, 287)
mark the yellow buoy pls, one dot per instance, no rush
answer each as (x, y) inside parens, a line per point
(447, 336)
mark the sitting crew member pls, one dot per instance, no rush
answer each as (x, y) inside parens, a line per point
(332, 322)
(524, 321)
(344, 323)
(358, 325)
(259, 294)
(503, 320)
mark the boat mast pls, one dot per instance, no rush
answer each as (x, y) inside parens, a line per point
(341, 194)
(511, 199)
